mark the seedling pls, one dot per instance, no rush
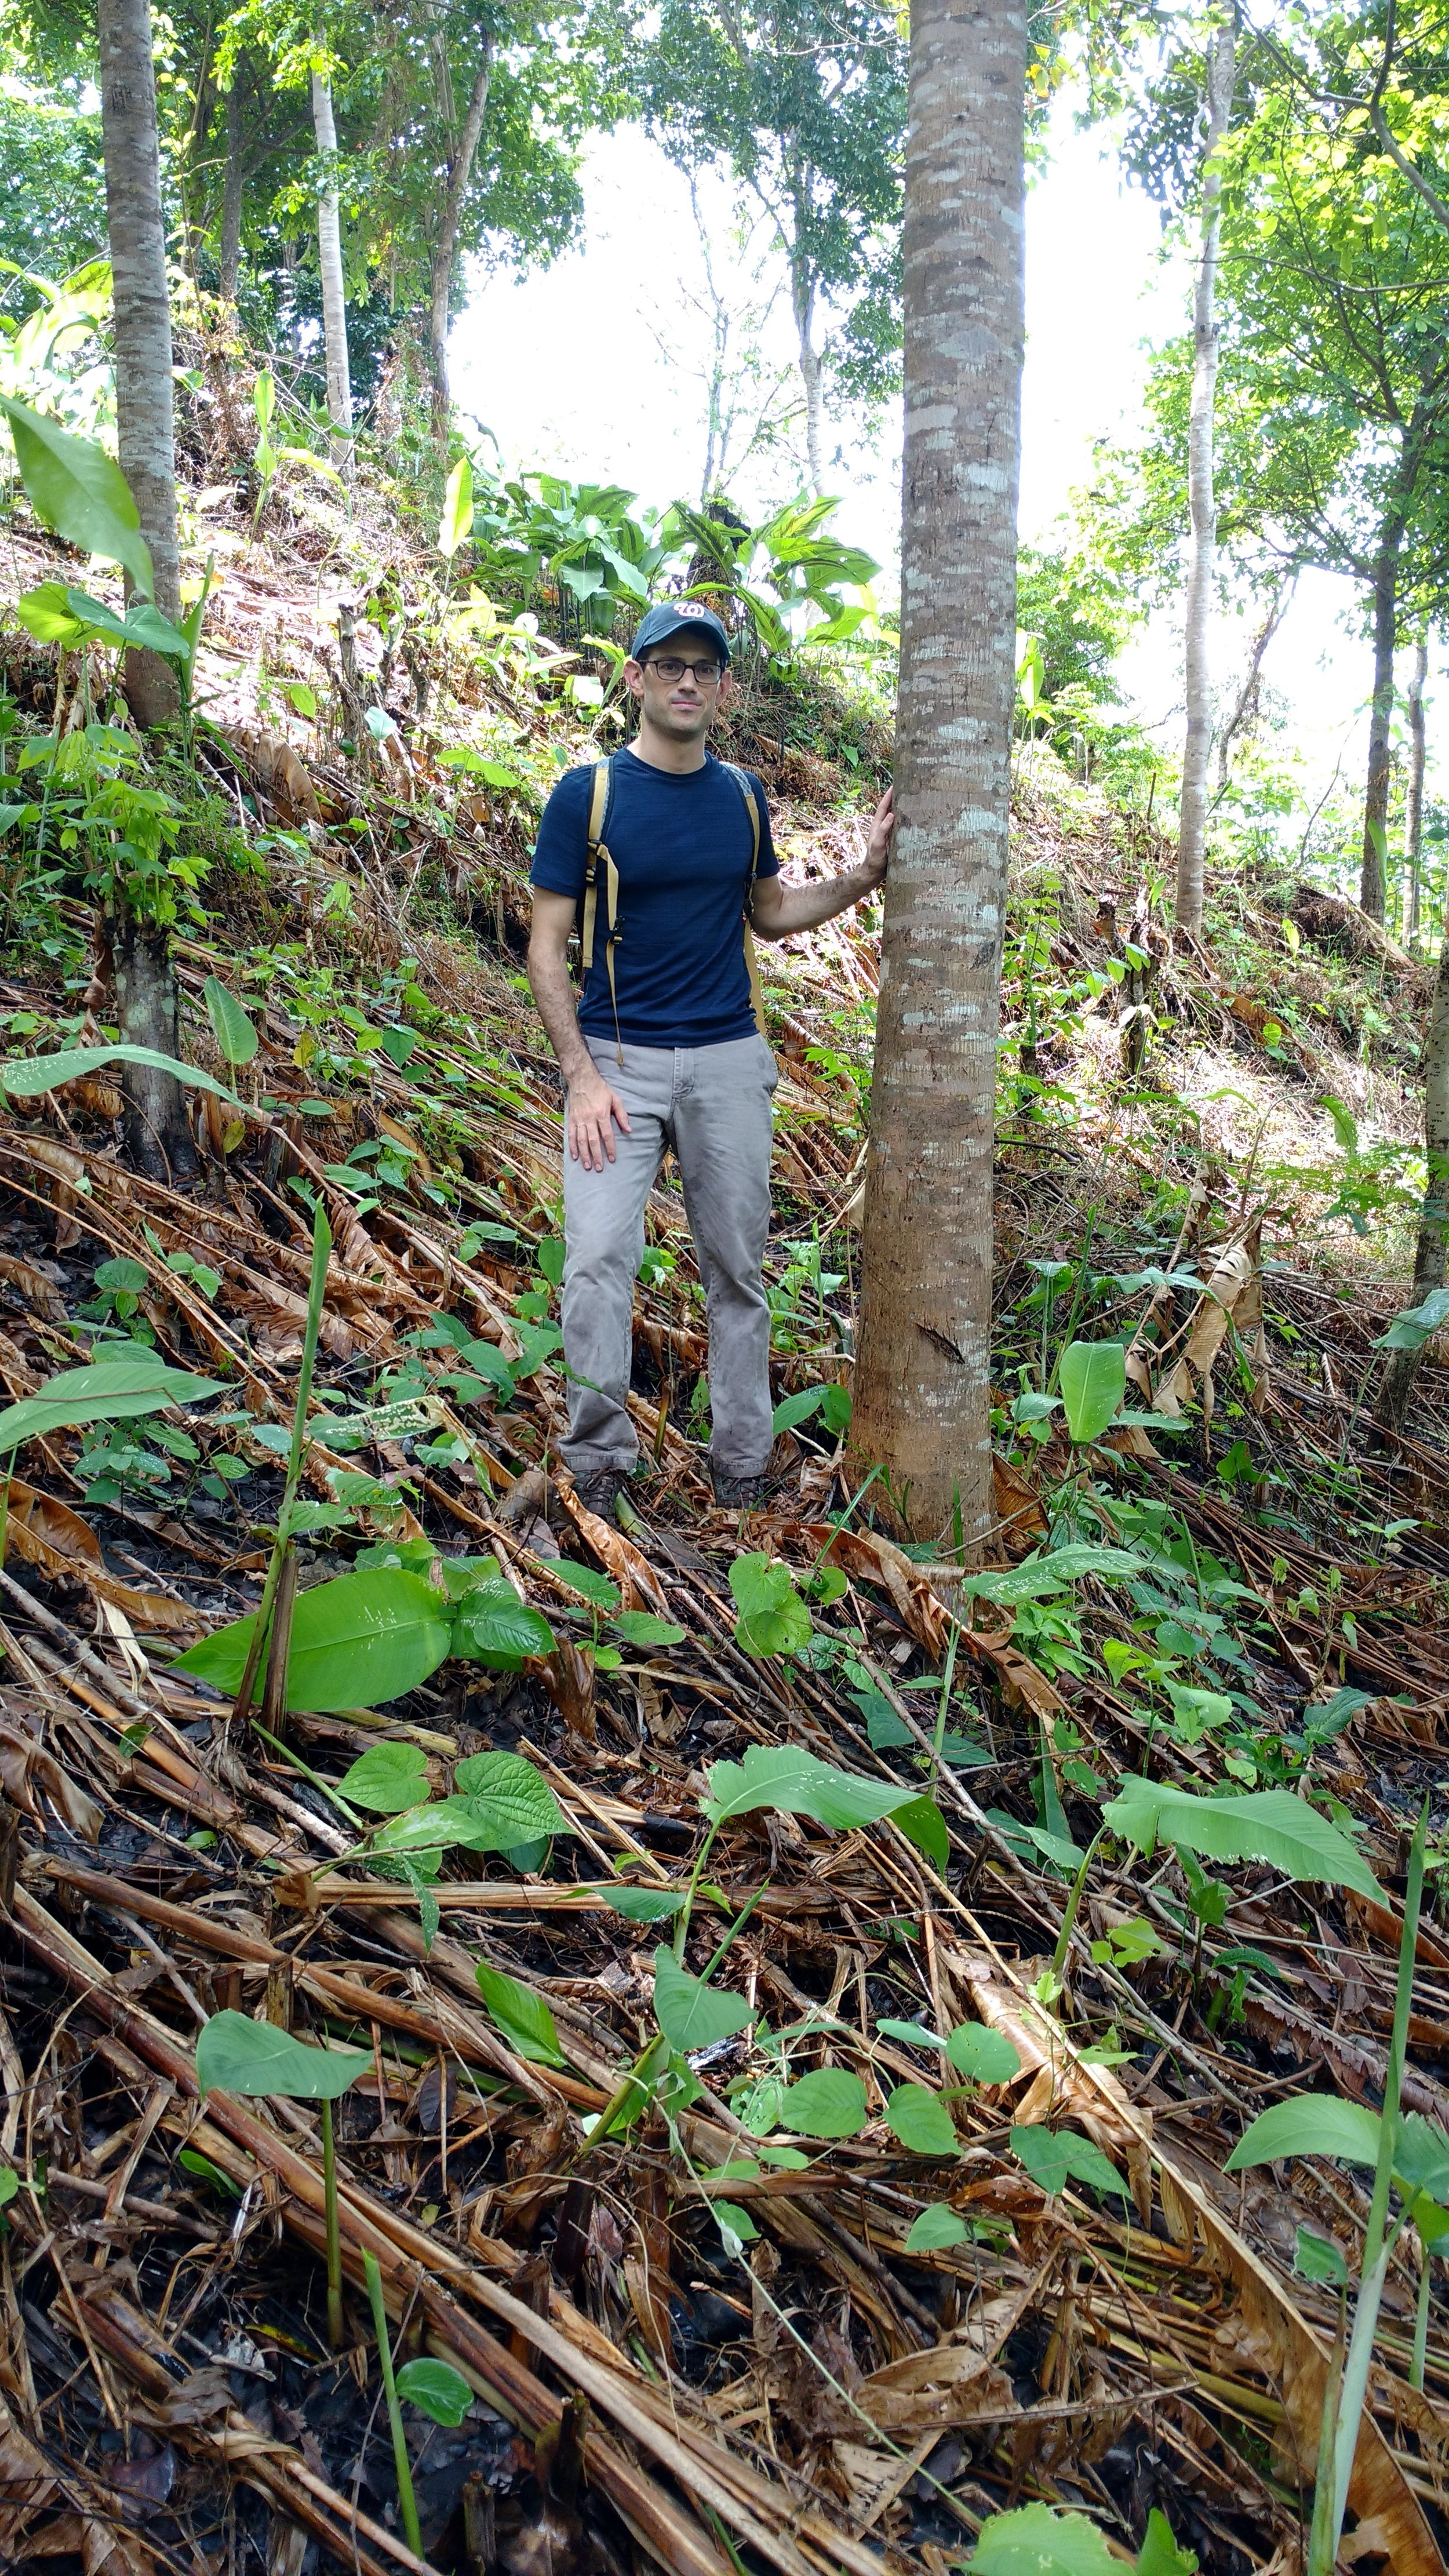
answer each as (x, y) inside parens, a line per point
(236, 2055)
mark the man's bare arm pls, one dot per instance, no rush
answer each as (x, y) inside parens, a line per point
(593, 1109)
(778, 910)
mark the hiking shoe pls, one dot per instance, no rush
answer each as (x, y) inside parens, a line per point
(738, 1493)
(600, 1492)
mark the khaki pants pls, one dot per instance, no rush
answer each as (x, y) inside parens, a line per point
(712, 1105)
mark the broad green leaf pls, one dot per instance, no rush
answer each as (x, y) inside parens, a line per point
(642, 1628)
(1317, 2258)
(1093, 1380)
(300, 697)
(691, 2014)
(1038, 1576)
(26, 1077)
(388, 1778)
(236, 2055)
(107, 1391)
(597, 1589)
(829, 2103)
(9, 2184)
(457, 519)
(491, 1620)
(357, 1642)
(1416, 1325)
(922, 2121)
(1055, 2157)
(193, 2162)
(773, 1619)
(735, 2225)
(1309, 2124)
(792, 1782)
(510, 1801)
(1194, 1711)
(987, 2056)
(78, 491)
(522, 2016)
(230, 1025)
(436, 2389)
(1159, 2554)
(1421, 2155)
(643, 1904)
(795, 1409)
(922, 1823)
(54, 614)
(1036, 2541)
(1270, 1825)
(935, 2229)
(912, 2034)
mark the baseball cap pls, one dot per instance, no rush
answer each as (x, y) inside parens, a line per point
(673, 617)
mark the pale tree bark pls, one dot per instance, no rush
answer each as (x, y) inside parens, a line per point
(1429, 1254)
(802, 305)
(462, 156)
(1414, 789)
(1246, 709)
(1202, 498)
(922, 1379)
(231, 193)
(1372, 890)
(329, 261)
(157, 1137)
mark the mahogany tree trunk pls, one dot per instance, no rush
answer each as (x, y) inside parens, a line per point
(445, 249)
(1202, 500)
(922, 1383)
(1373, 890)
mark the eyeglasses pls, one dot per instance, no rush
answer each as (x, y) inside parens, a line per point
(669, 667)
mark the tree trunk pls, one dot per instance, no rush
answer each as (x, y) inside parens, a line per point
(445, 248)
(922, 1381)
(231, 195)
(1376, 799)
(154, 1124)
(329, 261)
(1202, 500)
(1429, 1254)
(1414, 790)
(144, 414)
(802, 305)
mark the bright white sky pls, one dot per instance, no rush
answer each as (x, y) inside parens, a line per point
(595, 368)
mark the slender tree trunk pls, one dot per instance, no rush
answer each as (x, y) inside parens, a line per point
(1246, 708)
(802, 305)
(1429, 1254)
(1202, 500)
(231, 194)
(329, 261)
(158, 1139)
(445, 248)
(1376, 799)
(1414, 791)
(922, 1381)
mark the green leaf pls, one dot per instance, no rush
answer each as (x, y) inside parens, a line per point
(793, 1783)
(1159, 2554)
(54, 614)
(922, 1823)
(357, 1642)
(922, 2121)
(643, 1904)
(829, 2103)
(399, 1046)
(987, 2056)
(1194, 1711)
(1309, 2124)
(436, 2389)
(230, 1025)
(1317, 2258)
(773, 1619)
(236, 2055)
(935, 2229)
(300, 697)
(596, 1588)
(1270, 1825)
(1093, 1380)
(522, 2016)
(735, 2225)
(1421, 2155)
(642, 1628)
(510, 1799)
(9, 2184)
(1036, 2541)
(795, 1409)
(911, 2034)
(457, 519)
(691, 2014)
(107, 1391)
(1038, 1576)
(387, 1778)
(1054, 2157)
(78, 491)
(191, 2161)
(28, 1076)
(491, 1620)
(1416, 1325)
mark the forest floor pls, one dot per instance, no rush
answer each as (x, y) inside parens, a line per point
(811, 2309)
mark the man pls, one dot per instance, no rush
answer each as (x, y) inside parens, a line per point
(661, 859)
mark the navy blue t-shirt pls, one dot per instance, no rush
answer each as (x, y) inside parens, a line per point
(682, 845)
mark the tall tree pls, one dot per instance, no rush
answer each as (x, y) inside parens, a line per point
(157, 1136)
(802, 100)
(460, 152)
(1414, 789)
(1202, 504)
(922, 1379)
(329, 256)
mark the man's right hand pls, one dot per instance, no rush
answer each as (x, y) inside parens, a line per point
(593, 1109)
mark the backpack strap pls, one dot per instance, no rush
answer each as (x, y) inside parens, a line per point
(745, 785)
(601, 863)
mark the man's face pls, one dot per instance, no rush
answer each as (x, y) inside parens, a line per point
(681, 684)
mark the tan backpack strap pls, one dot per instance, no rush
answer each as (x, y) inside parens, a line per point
(752, 963)
(598, 799)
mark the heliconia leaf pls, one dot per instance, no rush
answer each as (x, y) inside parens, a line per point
(230, 1025)
(357, 1642)
(237, 2055)
(522, 2016)
(78, 491)
(1309, 2124)
(1271, 1825)
(457, 519)
(120, 1390)
(26, 1077)
(1093, 1380)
